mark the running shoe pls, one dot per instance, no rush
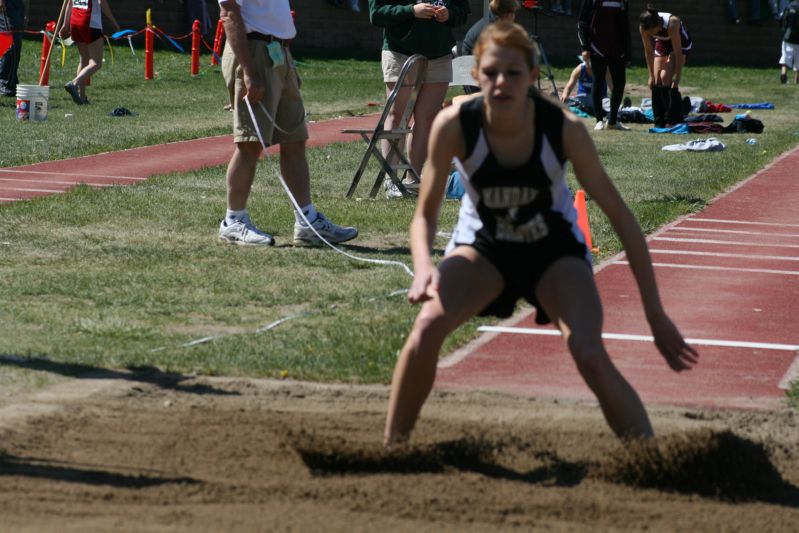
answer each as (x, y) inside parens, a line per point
(618, 126)
(73, 91)
(244, 233)
(305, 236)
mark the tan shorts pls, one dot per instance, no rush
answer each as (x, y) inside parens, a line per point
(438, 70)
(282, 98)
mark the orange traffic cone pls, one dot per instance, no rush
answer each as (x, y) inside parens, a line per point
(582, 218)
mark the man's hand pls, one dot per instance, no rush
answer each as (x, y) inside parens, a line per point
(253, 89)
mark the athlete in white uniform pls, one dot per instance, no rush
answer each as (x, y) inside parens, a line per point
(516, 237)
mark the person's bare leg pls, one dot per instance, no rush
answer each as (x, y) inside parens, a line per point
(240, 174)
(294, 167)
(428, 104)
(394, 115)
(568, 294)
(663, 71)
(468, 283)
(91, 60)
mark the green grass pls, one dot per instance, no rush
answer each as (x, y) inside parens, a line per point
(122, 277)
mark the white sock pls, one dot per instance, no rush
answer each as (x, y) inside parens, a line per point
(310, 213)
(235, 216)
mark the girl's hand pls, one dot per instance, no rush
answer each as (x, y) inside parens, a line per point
(651, 82)
(442, 14)
(669, 341)
(424, 286)
(424, 11)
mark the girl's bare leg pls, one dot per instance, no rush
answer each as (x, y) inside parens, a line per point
(468, 283)
(568, 294)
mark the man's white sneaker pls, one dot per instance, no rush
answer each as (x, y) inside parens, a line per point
(305, 236)
(601, 125)
(618, 126)
(243, 232)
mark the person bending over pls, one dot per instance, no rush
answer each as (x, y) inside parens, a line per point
(667, 44)
(517, 236)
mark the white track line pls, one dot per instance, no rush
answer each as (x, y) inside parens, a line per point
(734, 231)
(718, 254)
(647, 338)
(12, 171)
(720, 221)
(53, 182)
(731, 243)
(726, 269)
(23, 189)
(791, 375)
(10, 199)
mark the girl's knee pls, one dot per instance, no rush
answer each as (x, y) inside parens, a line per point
(431, 327)
(589, 354)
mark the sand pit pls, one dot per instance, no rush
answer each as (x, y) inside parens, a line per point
(225, 454)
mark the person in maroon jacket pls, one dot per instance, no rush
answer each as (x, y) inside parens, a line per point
(604, 33)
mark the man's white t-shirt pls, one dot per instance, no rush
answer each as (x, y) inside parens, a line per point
(270, 17)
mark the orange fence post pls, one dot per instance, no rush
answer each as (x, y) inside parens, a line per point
(218, 38)
(148, 53)
(44, 66)
(582, 218)
(195, 48)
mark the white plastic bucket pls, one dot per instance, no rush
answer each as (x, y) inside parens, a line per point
(32, 102)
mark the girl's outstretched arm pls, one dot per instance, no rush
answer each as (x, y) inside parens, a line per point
(592, 177)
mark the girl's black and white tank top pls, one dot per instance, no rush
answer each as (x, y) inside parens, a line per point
(530, 205)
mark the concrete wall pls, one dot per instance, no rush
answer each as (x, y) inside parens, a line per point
(324, 27)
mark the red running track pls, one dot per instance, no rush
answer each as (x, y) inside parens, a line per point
(727, 274)
(127, 167)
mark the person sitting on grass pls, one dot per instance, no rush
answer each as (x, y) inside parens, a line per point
(583, 78)
(517, 236)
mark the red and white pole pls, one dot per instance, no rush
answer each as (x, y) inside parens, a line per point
(195, 48)
(218, 38)
(148, 53)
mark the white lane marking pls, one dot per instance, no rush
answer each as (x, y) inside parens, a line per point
(791, 375)
(646, 338)
(717, 254)
(54, 182)
(734, 231)
(22, 189)
(12, 171)
(726, 269)
(10, 199)
(731, 243)
(775, 224)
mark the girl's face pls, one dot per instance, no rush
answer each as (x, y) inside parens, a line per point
(503, 75)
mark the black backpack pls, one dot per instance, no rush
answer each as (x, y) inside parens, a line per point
(744, 125)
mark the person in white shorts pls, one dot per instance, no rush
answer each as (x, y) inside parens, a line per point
(789, 21)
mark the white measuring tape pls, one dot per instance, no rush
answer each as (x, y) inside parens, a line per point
(296, 205)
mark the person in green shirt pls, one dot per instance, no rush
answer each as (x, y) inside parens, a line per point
(418, 27)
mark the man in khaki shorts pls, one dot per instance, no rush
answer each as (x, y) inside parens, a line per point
(257, 63)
